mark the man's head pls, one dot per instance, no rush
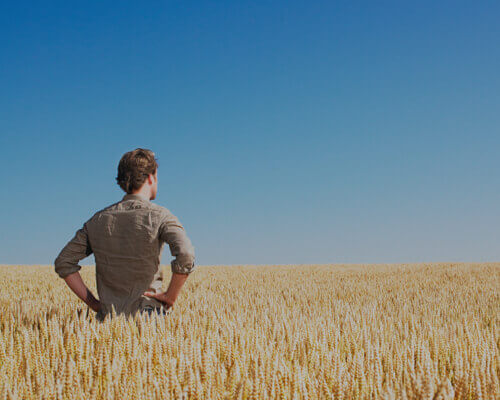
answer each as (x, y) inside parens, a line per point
(138, 173)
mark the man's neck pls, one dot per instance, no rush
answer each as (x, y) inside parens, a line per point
(143, 195)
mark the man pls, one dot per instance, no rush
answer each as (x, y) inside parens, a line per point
(127, 238)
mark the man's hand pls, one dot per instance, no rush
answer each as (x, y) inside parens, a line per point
(162, 298)
(95, 304)
(168, 298)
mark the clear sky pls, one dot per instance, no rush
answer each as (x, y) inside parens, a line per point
(286, 132)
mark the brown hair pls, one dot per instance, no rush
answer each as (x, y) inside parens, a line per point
(134, 168)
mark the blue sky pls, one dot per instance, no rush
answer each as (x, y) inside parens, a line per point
(286, 132)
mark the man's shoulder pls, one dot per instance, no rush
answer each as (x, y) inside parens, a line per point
(162, 210)
(118, 206)
(109, 207)
(164, 214)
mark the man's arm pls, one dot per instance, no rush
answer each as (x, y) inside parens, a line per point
(173, 233)
(66, 266)
(174, 288)
(76, 284)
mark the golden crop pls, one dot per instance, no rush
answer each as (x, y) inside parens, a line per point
(278, 332)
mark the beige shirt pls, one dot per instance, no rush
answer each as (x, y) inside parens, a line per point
(127, 239)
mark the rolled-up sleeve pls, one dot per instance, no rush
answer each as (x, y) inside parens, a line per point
(75, 250)
(172, 232)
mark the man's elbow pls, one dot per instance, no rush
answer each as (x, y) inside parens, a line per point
(184, 263)
(58, 267)
(63, 268)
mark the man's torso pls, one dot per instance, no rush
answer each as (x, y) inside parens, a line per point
(126, 243)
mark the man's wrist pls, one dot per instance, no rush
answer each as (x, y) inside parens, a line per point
(169, 301)
(94, 304)
(166, 299)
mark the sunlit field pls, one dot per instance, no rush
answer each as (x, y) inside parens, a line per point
(250, 332)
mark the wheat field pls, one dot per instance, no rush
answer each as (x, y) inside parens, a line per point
(421, 331)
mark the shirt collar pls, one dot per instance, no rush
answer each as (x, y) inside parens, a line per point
(134, 196)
